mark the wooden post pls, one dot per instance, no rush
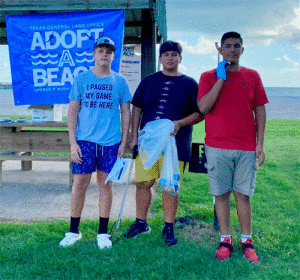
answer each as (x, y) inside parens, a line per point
(26, 165)
(148, 44)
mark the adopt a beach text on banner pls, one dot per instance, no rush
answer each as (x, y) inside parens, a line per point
(48, 50)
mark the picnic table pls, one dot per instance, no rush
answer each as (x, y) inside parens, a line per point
(21, 140)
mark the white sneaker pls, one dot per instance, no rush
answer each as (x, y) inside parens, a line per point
(70, 239)
(104, 241)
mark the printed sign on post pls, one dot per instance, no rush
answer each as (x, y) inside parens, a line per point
(48, 50)
(131, 66)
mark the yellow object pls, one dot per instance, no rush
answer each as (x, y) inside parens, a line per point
(144, 175)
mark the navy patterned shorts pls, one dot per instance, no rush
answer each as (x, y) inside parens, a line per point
(95, 157)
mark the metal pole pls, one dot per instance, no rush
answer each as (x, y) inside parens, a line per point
(158, 62)
(134, 154)
(216, 222)
(217, 47)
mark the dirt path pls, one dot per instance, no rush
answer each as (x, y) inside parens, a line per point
(43, 193)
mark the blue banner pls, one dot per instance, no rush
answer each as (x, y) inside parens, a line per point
(48, 50)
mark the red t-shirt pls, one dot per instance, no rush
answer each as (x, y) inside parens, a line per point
(231, 123)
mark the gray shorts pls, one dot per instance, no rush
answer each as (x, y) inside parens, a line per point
(230, 170)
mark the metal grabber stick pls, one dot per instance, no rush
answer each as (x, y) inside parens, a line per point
(134, 155)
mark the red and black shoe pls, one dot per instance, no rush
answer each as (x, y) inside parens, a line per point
(224, 250)
(249, 252)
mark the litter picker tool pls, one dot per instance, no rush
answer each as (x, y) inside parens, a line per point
(134, 155)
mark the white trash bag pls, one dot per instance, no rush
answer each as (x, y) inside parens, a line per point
(118, 171)
(170, 172)
(155, 140)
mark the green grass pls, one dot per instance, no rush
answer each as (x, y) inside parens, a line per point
(31, 251)
(27, 117)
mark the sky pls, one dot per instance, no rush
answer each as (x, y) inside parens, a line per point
(270, 30)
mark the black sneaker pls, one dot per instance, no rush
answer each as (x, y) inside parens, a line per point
(169, 237)
(136, 229)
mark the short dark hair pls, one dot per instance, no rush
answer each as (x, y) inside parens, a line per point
(170, 46)
(231, 34)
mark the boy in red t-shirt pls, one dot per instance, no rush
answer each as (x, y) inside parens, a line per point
(232, 98)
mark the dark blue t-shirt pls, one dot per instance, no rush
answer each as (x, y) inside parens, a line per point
(167, 97)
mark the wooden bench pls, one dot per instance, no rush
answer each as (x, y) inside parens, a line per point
(30, 158)
(19, 141)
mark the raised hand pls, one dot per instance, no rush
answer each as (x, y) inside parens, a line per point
(221, 70)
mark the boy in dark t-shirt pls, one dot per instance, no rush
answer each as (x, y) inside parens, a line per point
(167, 94)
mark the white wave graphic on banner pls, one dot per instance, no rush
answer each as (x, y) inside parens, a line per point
(84, 53)
(44, 62)
(45, 56)
(84, 60)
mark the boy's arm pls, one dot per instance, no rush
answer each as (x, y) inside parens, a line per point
(125, 119)
(135, 123)
(72, 125)
(189, 120)
(207, 102)
(260, 119)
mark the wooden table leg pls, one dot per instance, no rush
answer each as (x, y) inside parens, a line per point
(26, 165)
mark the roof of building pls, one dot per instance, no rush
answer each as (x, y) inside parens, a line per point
(133, 19)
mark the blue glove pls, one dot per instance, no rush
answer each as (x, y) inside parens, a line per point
(221, 70)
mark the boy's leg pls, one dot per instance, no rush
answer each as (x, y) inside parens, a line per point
(105, 202)
(169, 204)
(143, 198)
(222, 205)
(81, 182)
(223, 212)
(105, 194)
(82, 176)
(244, 183)
(145, 179)
(243, 207)
(220, 167)
(106, 158)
